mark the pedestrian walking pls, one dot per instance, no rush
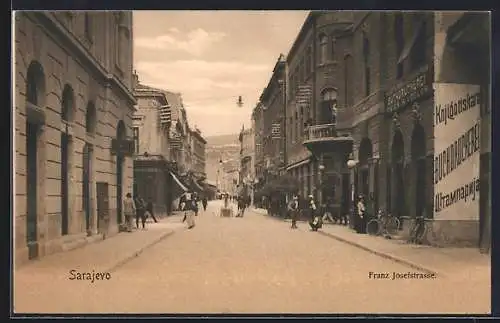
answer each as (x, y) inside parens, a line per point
(204, 202)
(129, 210)
(195, 206)
(189, 210)
(149, 211)
(241, 206)
(361, 218)
(293, 207)
(140, 211)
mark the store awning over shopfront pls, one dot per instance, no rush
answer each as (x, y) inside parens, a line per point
(179, 183)
(197, 187)
(298, 164)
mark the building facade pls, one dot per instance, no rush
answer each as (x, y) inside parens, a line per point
(272, 138)
(73, 127)
(461, 38)
(258, 122)
(156, 177)
(375, 80)
(247, 158)
(198, 156)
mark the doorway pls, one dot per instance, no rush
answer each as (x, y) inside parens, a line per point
(120, 137)
(86, 194)
(346, 194)
(32, 189)
(418, 151)
(64, 184)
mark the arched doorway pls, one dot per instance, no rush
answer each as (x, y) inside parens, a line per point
(35, 96)
(365, 153)
(398, 188)
(86, 194)
(90, 127)
(121, 135)
(418, 151)
(68, 102)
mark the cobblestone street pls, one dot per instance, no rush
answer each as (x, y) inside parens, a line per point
(243, 265)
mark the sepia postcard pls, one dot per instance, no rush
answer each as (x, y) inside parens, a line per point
(251, 162)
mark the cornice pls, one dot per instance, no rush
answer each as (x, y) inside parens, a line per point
(81, 53)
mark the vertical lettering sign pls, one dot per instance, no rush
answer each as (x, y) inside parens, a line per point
(456, 151)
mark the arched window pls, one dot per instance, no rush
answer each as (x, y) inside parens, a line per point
(332, 48)
(90, 118)
(68, 101)
(329, 106)
(31, 86)
(323, 44)
(122, 40)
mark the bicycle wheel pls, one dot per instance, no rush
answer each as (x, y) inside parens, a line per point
(392, 225)
(373, 227)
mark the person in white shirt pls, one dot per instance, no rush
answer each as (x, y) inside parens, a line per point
(361, 223)
(129, 210)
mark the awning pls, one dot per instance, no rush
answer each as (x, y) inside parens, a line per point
(409, 44)
(298, 164)
(182, 186)
(197, 186)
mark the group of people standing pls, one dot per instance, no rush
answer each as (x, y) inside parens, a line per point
(137, 208)
(319, 215)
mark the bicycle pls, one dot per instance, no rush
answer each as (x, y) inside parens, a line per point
(418, 231)
(383, 225)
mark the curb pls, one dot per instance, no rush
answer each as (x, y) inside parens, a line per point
(138, 252)
(383, 254)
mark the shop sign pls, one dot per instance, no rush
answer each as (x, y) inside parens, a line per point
(418, 88)
(457, 149)
(124, 147)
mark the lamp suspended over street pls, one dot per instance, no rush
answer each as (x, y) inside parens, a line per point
(239, 103)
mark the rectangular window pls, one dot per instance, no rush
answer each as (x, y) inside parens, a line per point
(301, 71)
(418, 52)
(400, 42)
(136, 139)
(332, 49)
(308, 61)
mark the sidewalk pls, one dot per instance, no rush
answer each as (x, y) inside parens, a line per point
(105, 255)
(467, 262)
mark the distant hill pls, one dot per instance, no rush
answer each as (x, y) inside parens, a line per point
(222, 140)
(225, 147)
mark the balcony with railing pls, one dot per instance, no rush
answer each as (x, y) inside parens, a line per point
(319, 136)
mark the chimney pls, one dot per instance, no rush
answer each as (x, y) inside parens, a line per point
(135, 79)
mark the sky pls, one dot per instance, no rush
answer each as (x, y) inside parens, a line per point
(213, 57)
